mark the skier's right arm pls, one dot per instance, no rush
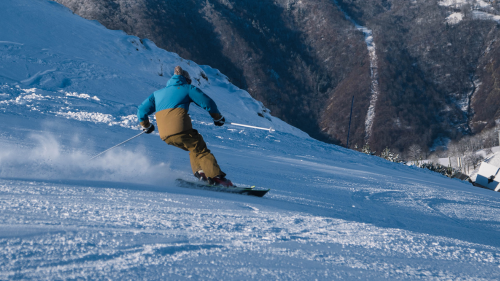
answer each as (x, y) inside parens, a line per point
(146, 108)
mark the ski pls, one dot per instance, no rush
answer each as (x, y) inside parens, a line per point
(233, 189)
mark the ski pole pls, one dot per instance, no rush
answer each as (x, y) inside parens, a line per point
(118, 144)
(254, 127)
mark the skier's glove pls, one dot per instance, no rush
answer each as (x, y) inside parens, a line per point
(220, 122)
(149, 129)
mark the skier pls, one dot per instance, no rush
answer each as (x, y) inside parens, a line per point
(174, 124)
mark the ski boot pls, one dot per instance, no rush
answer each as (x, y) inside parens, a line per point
(200, 175)
(220, 180)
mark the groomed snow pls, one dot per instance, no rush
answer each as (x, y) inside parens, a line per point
(69, 89)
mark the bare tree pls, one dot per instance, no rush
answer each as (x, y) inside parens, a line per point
(414, 152)
(464, 145)
(472, 159)
(434, 158)
(490, 138)
(476, 143)
(453, 150)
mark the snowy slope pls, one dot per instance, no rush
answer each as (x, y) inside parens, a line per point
(69, 89)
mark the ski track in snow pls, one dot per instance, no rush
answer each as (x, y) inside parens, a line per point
(331, 213)
(119, 231)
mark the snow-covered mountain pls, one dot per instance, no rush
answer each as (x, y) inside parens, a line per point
(69, 88)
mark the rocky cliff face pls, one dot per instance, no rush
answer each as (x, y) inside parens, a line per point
(436, 61)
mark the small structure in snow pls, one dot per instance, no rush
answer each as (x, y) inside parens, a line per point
(488, 177)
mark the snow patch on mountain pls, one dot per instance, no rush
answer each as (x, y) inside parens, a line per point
(452, 3)
(479, 15)
(454, 18)
(482, 10)
(460, 3)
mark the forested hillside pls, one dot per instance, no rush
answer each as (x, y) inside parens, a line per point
(438, 67)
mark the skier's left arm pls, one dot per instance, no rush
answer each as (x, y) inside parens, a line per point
(205, 102)
(146, 108)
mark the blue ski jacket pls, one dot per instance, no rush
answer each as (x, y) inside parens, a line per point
(171, 105)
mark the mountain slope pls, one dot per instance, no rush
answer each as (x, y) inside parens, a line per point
(302, 59)
(435, 64)
(69, 89)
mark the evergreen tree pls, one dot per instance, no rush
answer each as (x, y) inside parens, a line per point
(388, 155)
(366, 149)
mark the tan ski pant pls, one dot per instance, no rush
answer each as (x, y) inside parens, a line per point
(199, 154)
